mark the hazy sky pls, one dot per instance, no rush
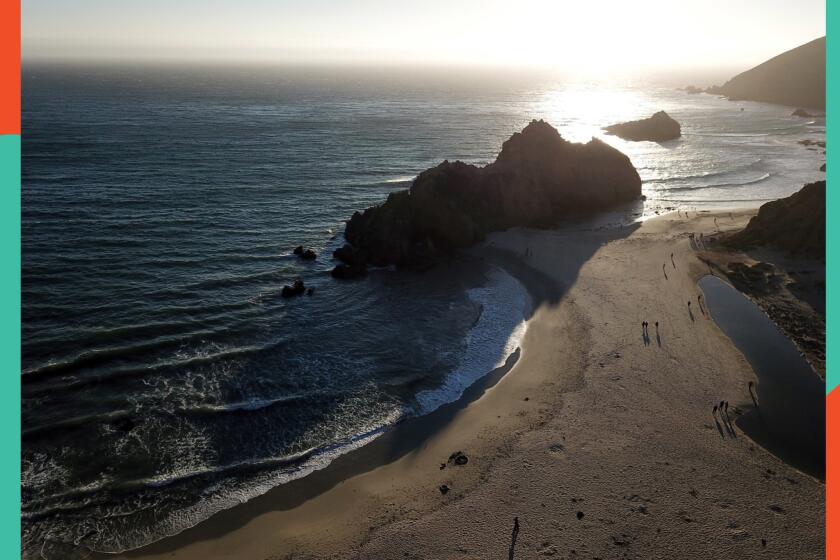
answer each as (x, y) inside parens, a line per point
(581, 35)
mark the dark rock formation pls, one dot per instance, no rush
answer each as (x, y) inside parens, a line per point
(305, 254)
(658, 128)
(349, 255)
(759, 278)
(349, 271)
(295, 289)
(804, 114)
(822, 168)
(458, 458)
(796, 77)
(809, 142)
(692, 90)
(537, 179)
(124, 424)
(795, 224)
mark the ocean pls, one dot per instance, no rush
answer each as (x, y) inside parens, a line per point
(165, 378)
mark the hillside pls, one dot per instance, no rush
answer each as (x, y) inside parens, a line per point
(796, 78)
(795, 224)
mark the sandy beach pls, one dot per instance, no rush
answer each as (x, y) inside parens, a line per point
(600, 445)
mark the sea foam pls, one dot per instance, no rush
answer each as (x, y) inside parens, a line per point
(496, 334)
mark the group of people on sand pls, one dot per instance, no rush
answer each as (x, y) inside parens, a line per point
(673, 263)
(697, 242)
(680, 212)
(722, 410)
(699, 304)
(646, 334)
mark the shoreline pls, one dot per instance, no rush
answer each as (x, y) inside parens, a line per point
(617, 430)
(394, 441)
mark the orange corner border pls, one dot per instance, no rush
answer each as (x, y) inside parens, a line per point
(10, 67)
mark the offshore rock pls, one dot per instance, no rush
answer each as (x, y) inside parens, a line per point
(537, 180)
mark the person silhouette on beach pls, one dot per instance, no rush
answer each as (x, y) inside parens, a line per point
(750, 386)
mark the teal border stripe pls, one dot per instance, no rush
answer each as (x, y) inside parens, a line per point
(10, 340)
(832, 301)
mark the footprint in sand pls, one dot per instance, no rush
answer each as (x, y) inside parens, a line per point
(635, 498)
(685, 517)
(622, 541)
(739, 534)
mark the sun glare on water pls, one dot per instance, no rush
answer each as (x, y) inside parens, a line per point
(580, 110)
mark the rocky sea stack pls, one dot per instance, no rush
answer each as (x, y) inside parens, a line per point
(795, 224)
(537, 179)
(658, 128)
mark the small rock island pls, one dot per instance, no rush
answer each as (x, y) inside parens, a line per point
(658, 128)
(537, 179)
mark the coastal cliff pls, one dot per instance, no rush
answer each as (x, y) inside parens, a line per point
(795, 224)
(795, 78)
(537, 179)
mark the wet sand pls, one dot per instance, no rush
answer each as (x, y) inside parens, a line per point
(602, 444)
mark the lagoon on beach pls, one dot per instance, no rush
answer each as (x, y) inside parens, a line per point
(166, 381)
